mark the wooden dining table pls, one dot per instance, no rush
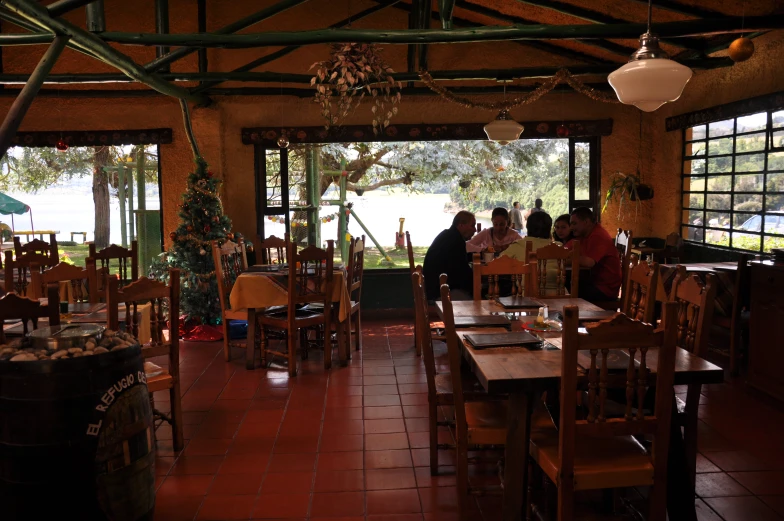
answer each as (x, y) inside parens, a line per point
(523, 374)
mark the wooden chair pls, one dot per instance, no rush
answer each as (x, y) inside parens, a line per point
(230, 260)
(103, 265)
(600, 452)
(504, 265)
(624, 245)
(738, 321)
(310, 281)
(410, 248)
(641, 285)
(162, 298)
(272, 249)
(556, 254)
(673, 249)
(49, 249)
(19, 268)
(16, 307)
(80, 280)
(695, 302)
(355, 272)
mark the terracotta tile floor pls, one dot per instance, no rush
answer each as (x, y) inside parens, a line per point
(351, 443)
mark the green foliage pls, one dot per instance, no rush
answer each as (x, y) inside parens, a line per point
(201, 221)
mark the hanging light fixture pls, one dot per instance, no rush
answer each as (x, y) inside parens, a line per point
(651, 78)
(503, 129)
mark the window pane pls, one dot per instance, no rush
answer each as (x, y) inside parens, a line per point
(582, 175)
(747, 203)
(778, 119)
(717, 237)
(747, 221)
(720, 146)
(753, 122)
(750, 143)
(775, 183)
(777, 139)
(697, 132)
(718, 219)
(750, 163)
(773, 242)
(696, 201)
(696, 149)
(718, 165)
(744, 241)
(749, 183)
(695, 217)
(692, 234)
(718, 202)
(774, 223)
(719, 183)
(775, 161)
(721, 128)
(694, 166)
(695, 184)
(774, 203)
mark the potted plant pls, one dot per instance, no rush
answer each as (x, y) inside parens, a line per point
(627, 187)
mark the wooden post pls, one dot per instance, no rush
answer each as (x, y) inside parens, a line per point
(129, 180)
(162, 27)
(342, 210)
(312, 194)
(19, 108)
(121, 197)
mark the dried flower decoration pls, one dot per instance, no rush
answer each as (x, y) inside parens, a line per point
(353, 70)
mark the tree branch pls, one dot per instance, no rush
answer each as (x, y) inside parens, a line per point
(405, 180)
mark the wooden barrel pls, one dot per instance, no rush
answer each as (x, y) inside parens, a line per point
(76, 439)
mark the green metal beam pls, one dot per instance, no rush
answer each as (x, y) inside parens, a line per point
(91, 43)
(281, 77)
(25, 39)
(96, 18)
(258, 62)
(63, 6)
(162, 27)
(446, 9)
(22, 103)
(232, 28)
(421, 36)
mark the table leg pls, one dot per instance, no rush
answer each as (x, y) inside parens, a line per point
(516, 455)
(250, 345)
(344, 340)
(680, 487)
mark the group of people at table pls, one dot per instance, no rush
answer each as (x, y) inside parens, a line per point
(449, 253)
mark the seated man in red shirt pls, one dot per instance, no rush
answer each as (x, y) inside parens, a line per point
(598, 252)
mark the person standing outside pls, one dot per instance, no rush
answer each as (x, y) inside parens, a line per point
(447, 254)
(517, 217)
(597, 252)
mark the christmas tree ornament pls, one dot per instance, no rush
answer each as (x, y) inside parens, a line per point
(173, 236)
(230, 236)
(206, 228)
(216, 219)
(283, 141)
(741, 49)
(562, 130)
(61, 146)
(189, 228)
(210, 174)
(202, 252)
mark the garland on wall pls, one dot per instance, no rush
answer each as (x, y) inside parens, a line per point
(302, 222)
(562, 76)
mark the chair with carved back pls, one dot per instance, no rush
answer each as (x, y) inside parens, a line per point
(355, 273)
(641, 285)
(738, 320)
(309, 281)
(19, 268)
(272, 250)
(17, 307)
(80, 281)
(164, 301)
(115, 257)
(673, 249)
(230, 260)
(555, 258)
(599, 451)
(624, 245)
(50, 250)
(695, 302)
(436, 328)
(410, 251)
(523, 276)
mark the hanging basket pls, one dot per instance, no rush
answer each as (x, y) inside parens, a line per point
(465, 183)
(643, 193)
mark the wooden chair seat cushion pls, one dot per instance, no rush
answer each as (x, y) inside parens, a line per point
(471, 388)
(160, 382)
(487, 422)
(613, 462)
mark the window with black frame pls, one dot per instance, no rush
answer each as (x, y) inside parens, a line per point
(733, 182)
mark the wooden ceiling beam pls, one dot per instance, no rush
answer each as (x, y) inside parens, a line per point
(678, 30)
(612, 47)
(688, 10)
(601, 18)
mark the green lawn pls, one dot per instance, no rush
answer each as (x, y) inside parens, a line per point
(76, 254)
(399, 257)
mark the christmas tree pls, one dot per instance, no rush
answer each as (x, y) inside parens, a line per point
(201, 221)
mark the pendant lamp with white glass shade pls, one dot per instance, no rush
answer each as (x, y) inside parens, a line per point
(651, 78)
(503, 129)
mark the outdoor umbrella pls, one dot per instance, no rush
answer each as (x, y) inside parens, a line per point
(10, 206)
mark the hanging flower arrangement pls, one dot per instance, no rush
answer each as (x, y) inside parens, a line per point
(354, 70)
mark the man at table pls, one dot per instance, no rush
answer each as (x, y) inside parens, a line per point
(448, 255)
(597, 252)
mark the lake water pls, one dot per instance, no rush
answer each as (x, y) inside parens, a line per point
(69, 207)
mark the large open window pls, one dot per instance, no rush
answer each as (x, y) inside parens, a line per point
(733, 182)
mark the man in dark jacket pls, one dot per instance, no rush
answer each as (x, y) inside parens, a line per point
(448, 255)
